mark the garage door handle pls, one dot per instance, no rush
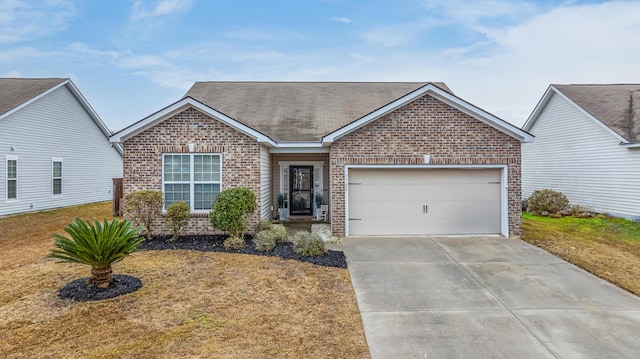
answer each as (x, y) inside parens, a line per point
(425, 209)
(355, 219)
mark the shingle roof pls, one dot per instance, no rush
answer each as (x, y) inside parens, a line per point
(15, 92)
(617, 106)
(299, 111)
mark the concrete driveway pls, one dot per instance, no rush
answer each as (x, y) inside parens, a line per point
(485, 297)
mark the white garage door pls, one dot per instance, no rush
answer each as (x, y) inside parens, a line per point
(424, 201)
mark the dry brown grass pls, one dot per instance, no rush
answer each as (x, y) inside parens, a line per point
(192, 304)
(606, 247)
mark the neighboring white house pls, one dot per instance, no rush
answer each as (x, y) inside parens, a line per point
(587, 146)
(54, 149)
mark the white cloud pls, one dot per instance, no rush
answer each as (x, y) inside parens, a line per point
(24, 21)
(140, 9)
(344, 20)
(11, 74)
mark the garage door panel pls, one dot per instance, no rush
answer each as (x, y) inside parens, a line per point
(391, 201)
(463, 209)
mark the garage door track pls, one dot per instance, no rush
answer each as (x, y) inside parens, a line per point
(485, 297)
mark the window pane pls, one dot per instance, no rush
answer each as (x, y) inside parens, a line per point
(205, 195)
(176, 168)
(57, 186)
(175, 193)
(57, 169)
(12, 169)
(206, 168)
(12, 189)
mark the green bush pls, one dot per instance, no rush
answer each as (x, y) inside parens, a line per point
(143, 207)
(308, 244)
(233, 242)
(546, 202)
(98, 245)
(176, 217)
(265, 240)
(279, 233)
(230, 208)
(265, 225)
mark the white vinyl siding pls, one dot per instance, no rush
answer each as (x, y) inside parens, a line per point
(57, 125)
(192, 178)
(12, 178)
(578, 157)
(56, 176)
(266, 198)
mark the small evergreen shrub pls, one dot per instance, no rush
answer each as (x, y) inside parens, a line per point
(279, 232)
(143, 208)
(546, 201)
(230, 209)
(97, 244)
(308, 244)
(176, 217)
(234, 242)
(264, 240)
(265, 225)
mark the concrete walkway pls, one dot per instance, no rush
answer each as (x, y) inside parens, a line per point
(485, 297)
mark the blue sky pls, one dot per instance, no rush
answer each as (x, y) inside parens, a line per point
(131, 58)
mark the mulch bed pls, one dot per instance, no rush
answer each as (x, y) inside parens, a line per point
(80, 291)
(213, 243)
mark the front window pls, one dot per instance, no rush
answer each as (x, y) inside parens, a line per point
(57, 176)
(192, 178)
(12, 178)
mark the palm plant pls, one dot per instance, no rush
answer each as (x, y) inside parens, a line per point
(98, 245)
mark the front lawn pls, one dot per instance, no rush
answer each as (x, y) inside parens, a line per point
(192, 304)
(606, 247)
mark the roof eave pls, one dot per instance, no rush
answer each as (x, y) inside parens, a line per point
(545, 99)
(180, 106)
(443, 96)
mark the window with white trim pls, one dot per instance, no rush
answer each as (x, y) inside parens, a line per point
(192, 178)
(56, 176)
(12, 177)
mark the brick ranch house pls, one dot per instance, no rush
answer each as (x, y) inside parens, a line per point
(387, 158)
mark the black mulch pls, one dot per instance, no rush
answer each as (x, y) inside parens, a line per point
(212, 243)
(80, 291)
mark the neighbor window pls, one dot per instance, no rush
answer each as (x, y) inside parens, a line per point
(57, 176)
(12, 178)
(192, 178)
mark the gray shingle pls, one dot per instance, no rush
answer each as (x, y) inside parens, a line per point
(299, 111)
(617, 105)
(14, 92)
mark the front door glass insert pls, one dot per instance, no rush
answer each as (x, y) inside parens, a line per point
(301, 189)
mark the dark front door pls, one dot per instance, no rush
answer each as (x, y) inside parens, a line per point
(301, 189)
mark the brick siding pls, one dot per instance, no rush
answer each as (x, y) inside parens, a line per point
(425, 126)
(142, 161)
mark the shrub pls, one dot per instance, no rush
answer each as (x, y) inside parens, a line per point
(308, 244)
(177, 216)
(279, 232)
(264, 240)
(143, 207)
(98, 245)
(548, 201)
(230, 208)
(265, 225)
(233, 242)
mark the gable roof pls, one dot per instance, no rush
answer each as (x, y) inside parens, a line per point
(614, 106)
(16, 93)
(307, 114)
(299, 111)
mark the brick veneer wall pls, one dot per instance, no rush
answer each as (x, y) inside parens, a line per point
(142, 160)
(425, 126)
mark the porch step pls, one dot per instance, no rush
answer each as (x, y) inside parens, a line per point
(300, 218)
